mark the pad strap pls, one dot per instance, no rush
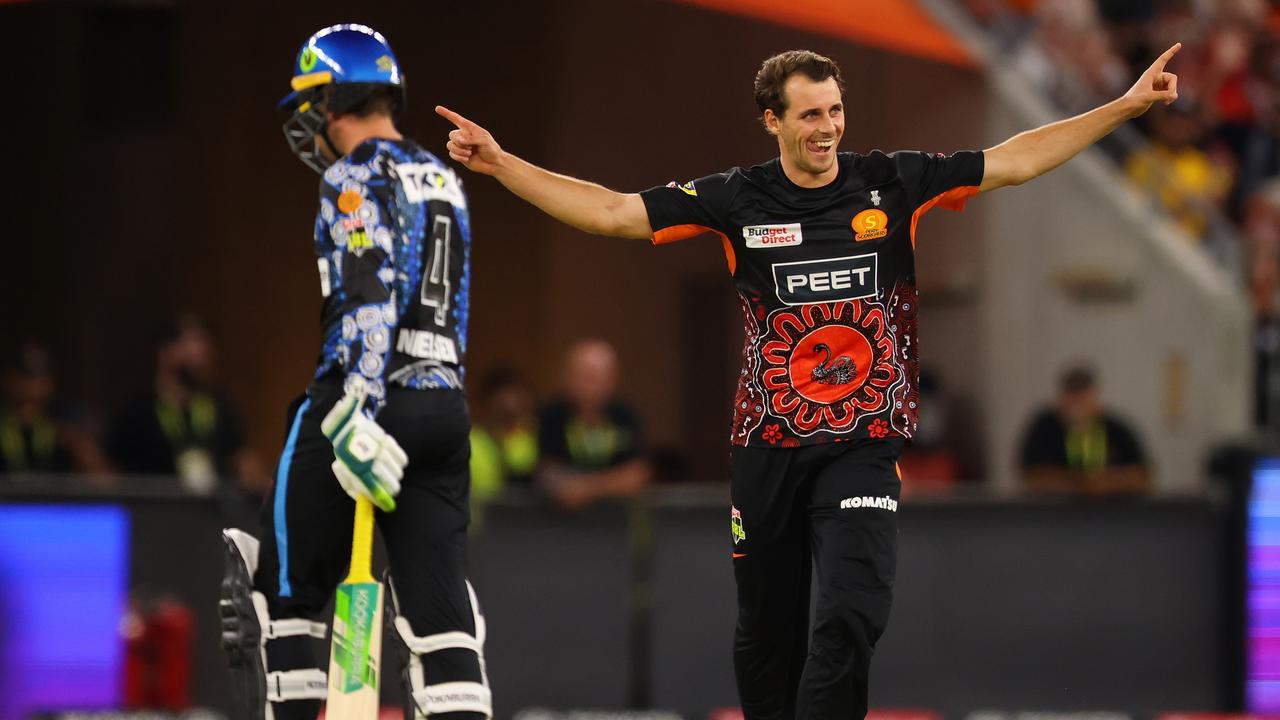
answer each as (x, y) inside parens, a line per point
(311, 684)
(290, 627)
(434, 643)
(481, 626)
(455, 697)
(284, 627)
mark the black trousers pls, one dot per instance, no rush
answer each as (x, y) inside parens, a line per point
(307, 522)
(833, 508)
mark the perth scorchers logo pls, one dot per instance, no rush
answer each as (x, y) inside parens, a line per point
(828, 364)
(870, 225)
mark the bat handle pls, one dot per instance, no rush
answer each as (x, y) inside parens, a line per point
(362, 542)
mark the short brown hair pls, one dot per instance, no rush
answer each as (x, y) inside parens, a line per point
(362, 100)
(775, 71)
(1077, 379)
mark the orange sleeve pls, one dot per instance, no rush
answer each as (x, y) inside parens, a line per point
(953, 199)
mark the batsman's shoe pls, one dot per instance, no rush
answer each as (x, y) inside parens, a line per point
(367, 461)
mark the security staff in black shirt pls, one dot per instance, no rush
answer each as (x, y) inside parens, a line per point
(1077, 447)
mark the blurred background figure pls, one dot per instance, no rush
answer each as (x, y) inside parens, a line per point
(1175, 168)
(588, 440)
(1078, 447)
(38, 433)
(184, 425)
(504, 441)
(1202, 158)
(1059, 34)
(1262, 233)
(945, 449)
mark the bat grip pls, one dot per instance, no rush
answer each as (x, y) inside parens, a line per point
(362, 542)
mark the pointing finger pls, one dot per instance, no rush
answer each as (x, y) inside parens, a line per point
(452, 116)
(1166, 57)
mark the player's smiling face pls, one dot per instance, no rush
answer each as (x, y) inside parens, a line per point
(809, 130)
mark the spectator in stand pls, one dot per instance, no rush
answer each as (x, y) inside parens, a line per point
(1255, 138)
(588, 440)
(504, 441)
(1076, 447)
(1262, 232)
(1187, 181)
(183, 425)
(1064, 33)
(1262, 235)
(39, 434)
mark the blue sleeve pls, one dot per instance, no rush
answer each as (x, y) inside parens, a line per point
(363, 231)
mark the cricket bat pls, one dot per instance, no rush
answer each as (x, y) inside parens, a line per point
(357, 630)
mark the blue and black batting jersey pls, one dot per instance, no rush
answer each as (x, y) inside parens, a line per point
(827, 282)
(393, 243)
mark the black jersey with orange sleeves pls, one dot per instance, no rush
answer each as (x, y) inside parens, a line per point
(826, 277)
(393, 243)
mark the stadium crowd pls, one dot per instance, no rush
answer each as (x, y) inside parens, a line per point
(1213, 158)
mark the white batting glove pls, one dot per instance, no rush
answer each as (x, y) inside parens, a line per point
(367, 461)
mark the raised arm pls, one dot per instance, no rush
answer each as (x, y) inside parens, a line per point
(1035, 152)
(584, 205)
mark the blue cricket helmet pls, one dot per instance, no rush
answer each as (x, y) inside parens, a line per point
(337, 69)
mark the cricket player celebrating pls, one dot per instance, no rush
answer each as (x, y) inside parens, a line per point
(385, 417)
(820, 245)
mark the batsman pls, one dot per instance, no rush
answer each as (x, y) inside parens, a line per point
(384, 421)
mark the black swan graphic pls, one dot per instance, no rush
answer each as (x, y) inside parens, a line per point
(841, 372)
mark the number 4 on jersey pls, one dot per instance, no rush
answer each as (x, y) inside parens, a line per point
(435, 271)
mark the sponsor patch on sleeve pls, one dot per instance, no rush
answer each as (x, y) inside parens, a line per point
(686, 188)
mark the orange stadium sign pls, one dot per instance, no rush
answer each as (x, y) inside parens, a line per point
(900, 25)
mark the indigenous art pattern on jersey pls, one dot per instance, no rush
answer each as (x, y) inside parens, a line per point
(829, 365)
(748, 408)
(826, 278)
(393, 245)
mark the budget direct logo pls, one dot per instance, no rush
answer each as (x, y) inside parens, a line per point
(830, 280)
(771, 236)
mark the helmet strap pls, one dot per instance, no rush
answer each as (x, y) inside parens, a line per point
(324, 135)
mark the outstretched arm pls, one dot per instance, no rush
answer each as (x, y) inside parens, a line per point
(584, 205)
(1036, 152)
